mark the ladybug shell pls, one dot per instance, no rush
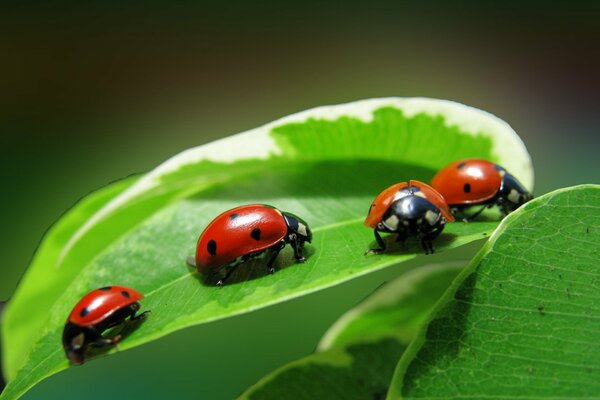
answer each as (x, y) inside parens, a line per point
(385, 199)
(237, 232)
(468, 181)
(99, 304)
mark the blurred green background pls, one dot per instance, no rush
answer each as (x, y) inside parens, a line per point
(90, 93)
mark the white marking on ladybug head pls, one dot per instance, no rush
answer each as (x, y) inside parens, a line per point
(391, 222)
(420, 194)
(302, 229)
(514, 196)
(432, 217)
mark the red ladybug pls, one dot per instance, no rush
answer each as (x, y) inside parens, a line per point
(472, 182)
(97, 311)
(409, 209)
(246, 232)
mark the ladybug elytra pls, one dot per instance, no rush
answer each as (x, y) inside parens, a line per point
(408, 209)
(245, 232)
(96, 312)
(474, 182)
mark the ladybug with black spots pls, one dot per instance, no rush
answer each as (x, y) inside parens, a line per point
(95, 313)
(474, 182)
(408, 209)
(246, 232)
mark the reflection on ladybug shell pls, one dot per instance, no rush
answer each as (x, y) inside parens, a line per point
(99, 304)
(237, 232)
(382, 202)
(468, 181)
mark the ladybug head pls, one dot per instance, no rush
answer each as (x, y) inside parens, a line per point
(513, 192)
(74, 343)
(298, 226)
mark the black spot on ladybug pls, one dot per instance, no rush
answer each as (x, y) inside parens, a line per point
(84, 311)
(105, 288)
(234, 216)
(212, 247)
(125, 293)
(467, 187)
(255, 234)
(461, 165)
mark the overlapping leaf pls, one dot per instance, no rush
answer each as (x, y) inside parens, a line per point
(360, 351)
(522, 321)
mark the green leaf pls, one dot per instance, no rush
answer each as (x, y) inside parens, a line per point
(522, 321)
(361, 350)
(325, 165)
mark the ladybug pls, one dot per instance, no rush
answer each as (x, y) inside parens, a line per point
(473, 182)
(96, 312)
(246, 232)
(409, 209)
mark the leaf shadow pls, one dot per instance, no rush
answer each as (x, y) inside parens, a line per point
(316, 179)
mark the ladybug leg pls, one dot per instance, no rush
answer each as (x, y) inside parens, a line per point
(143, 315)
(104, 342)
(95, 339)
(222, 281)
(473, 216)
(427, 239)
(427, 245)
(133, 317)
(297, 246)
(274, 252)
(380, 243)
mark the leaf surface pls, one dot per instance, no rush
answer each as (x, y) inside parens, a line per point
(522, 321)
(325, 165)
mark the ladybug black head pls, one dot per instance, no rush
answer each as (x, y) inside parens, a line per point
(298, 226)
(513, 192)
(74, 343)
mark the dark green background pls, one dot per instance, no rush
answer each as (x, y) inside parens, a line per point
(92, 93)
